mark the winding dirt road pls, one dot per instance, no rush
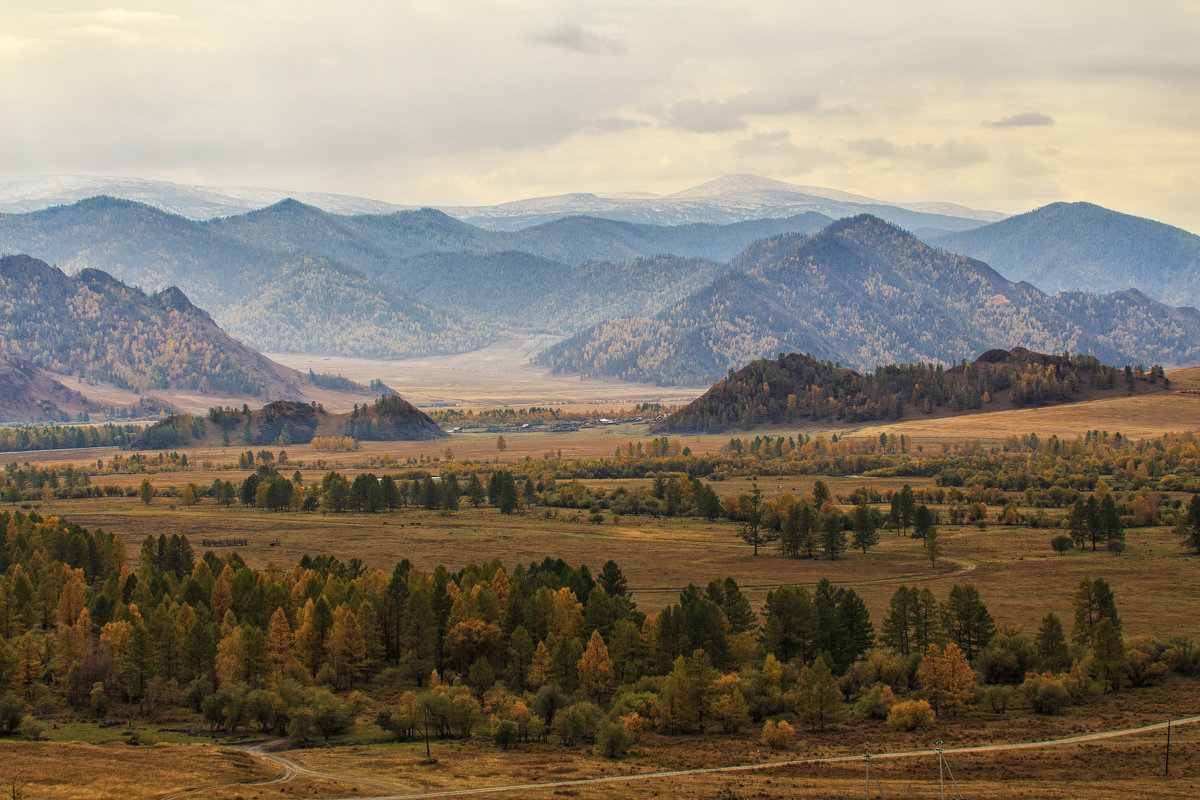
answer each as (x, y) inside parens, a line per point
(291, 769)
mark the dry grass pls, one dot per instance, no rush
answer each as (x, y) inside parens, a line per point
(1085, 770)
(1020, 577)
(60, 771)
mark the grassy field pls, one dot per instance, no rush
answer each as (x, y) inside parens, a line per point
(1020, 577)
(1130, 765)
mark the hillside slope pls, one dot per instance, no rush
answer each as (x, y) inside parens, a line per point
(863, 292)
(272, 299)
(94, 326)
(27, 394)
(1067, 246)
(284, 422)
(795, 388)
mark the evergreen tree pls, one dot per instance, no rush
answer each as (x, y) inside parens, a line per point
(967, 621)
(833, 534)
(865, 534)
(1051, 644)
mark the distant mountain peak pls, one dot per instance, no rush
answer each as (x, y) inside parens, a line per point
(737, 182)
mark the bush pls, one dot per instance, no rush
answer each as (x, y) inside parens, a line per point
(997, 698)
(577, 723)
(301, 727)
(910, 715)
(1045, 694)
(778, 735)
(504, 733)
(1062, 543)
(613, 739)
(12, 711)
(876, 703)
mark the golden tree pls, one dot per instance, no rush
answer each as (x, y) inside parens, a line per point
(947, 678)
(595, 667)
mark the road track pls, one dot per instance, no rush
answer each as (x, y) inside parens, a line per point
(292, 770)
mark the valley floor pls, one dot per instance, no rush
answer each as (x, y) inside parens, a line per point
(496, 376)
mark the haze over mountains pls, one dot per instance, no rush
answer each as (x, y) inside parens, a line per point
(1066, 246)
(732, 198)
(674, 304)
(864, 292)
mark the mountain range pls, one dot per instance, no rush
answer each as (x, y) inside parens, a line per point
(731, 198)
(864, 292)
(293, 278)
(1069, 246)
(676, 304)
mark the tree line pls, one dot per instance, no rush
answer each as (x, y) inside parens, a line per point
(553, 650)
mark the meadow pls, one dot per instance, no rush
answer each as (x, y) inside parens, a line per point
(1018, 576)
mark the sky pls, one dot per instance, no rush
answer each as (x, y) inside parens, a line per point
(1003, 106)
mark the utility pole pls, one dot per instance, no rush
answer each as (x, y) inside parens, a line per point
(427, 756)
(1167, 764)
(943, 770)
(871, 773)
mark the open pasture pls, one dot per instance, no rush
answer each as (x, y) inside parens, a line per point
(1016, 571)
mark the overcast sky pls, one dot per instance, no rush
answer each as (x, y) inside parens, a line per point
(1005, 106)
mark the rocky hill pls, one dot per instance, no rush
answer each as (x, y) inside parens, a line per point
(864, 292)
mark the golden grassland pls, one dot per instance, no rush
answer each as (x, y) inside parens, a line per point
(1138, 416)
(365, 764)
(1016, 571)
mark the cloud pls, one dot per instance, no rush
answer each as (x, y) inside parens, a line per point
(579, 38)
(718, 116)
(1028, 119)
(616, 125)
(947, 155)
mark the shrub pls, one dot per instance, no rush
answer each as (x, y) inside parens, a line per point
(997, 698)
(910, 715)
(876, 703)
(301, 727)
(613, 739)
(504, 733)
(1045, 694)
(778, 735)
(12, 711)
(1062, 543)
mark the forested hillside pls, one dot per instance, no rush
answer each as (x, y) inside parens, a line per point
(293, 278)
(864, 292)
(1084, 246)
(524, 291)
(286, 422)
(798, 387)
(96, 327)
(272, 299)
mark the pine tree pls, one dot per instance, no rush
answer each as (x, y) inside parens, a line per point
(595, 668)
(279, 641)
(1051, 644)
(946, 678)
(897, 628)
(967, 621)
(833, 533)
(1108, 654)
(865, 534)
(818, 699)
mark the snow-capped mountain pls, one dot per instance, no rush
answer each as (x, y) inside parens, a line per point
(732, 198)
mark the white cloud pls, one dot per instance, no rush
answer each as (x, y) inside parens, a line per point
(580, 38)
